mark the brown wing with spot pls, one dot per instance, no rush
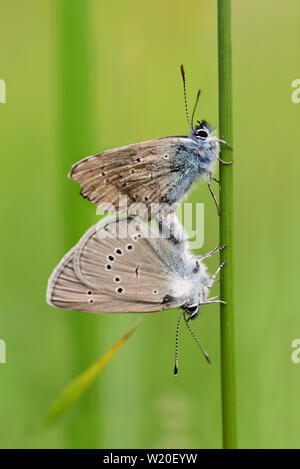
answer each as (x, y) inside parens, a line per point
(116, 267)
(142, 171)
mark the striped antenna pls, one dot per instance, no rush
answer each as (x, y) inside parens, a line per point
(185, 100)
(176, 346)
(197, 341)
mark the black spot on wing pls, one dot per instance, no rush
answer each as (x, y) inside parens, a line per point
(167, 299)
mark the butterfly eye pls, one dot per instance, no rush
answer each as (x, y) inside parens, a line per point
(202, 134)
(192, 309)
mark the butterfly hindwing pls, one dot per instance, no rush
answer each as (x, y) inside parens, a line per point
(118, 267)
(65, 290)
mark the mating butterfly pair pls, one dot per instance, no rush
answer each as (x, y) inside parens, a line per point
(121, 265)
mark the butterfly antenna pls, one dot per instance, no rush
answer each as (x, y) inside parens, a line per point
(197, 341)
(176, 346)
(185, 100)
(195, 107)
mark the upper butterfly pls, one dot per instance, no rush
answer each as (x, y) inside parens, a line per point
(155, 174)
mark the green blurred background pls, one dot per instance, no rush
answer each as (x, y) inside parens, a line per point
(86, 75)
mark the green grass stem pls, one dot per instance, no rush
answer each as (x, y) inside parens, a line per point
(226, 228)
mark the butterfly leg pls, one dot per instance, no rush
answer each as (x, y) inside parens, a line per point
(212, 193)
(213, 298)
(218, 248)
(213, 301)
(225, 143)
(224, 162)
(213, 279)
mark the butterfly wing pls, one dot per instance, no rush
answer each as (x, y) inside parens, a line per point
(157, 171)
(118, 266)
(65, 290)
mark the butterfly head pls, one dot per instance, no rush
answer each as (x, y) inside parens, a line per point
(204, 135)
(200, 281)
(202, 130)
(192, 309)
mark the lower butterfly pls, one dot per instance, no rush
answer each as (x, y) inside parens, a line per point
(122, 265)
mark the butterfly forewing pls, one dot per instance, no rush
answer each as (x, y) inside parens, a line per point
(157, 171)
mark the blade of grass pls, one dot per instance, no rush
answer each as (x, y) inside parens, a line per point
(226, 228)
(76, 134)
(75, 390)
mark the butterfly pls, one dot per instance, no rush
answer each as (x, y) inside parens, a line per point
(123, 265)
(155, 173)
